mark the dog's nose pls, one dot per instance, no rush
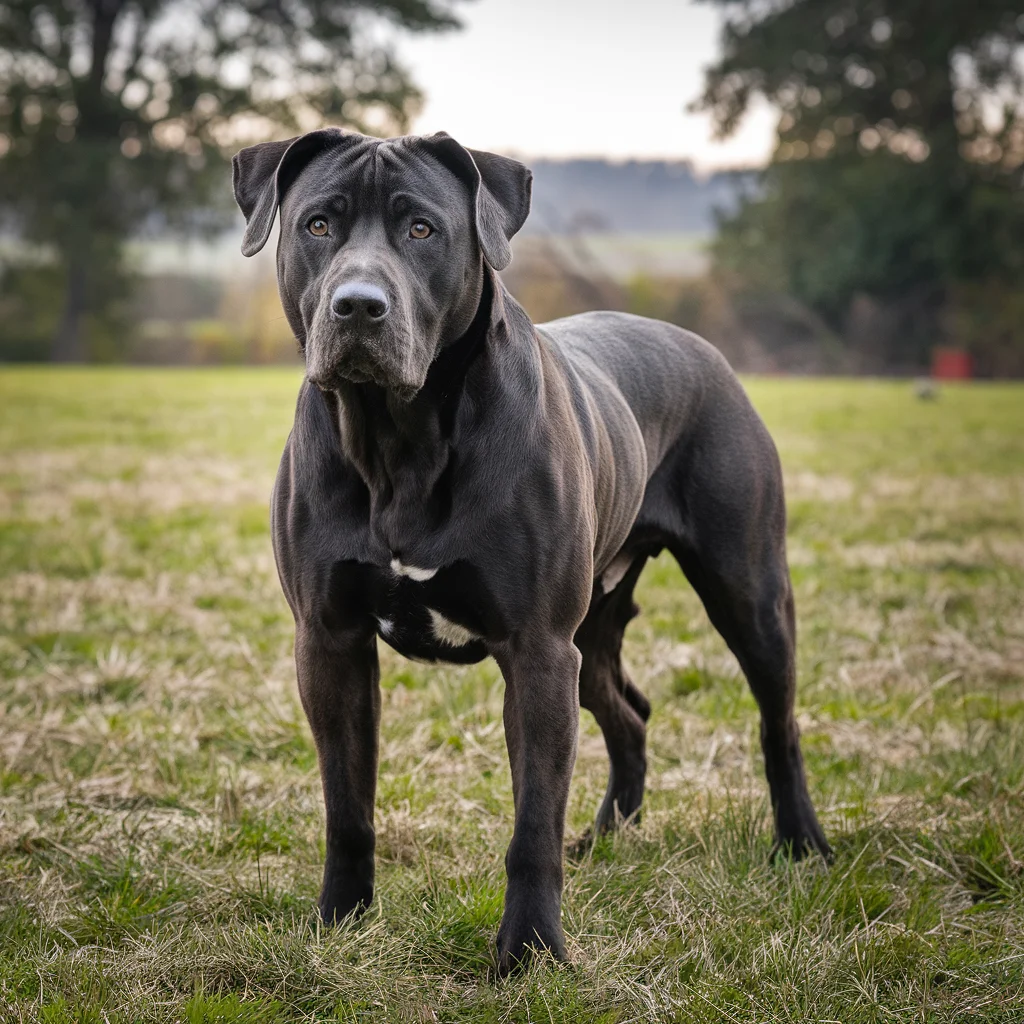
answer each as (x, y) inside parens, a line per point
(358, 300)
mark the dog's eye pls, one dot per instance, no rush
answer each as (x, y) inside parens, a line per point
(317, 226)
(420, 229)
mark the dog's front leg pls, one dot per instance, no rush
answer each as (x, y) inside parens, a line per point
(541, 722)
(339, 685)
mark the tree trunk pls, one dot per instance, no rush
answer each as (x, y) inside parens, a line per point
(69, 341)
(80, 249)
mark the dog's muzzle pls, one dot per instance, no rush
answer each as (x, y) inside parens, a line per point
(357, 338)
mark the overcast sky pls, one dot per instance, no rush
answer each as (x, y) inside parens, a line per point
(568, 78)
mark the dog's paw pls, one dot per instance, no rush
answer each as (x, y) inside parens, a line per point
(334, 913)
(580, 847)
(797, 832)
(518, 943)
(800, 843)
(344, 900)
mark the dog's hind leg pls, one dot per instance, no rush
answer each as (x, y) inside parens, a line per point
(745, 587)
(717, 500)
(620, 709)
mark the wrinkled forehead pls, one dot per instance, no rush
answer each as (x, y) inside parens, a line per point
(368, 176)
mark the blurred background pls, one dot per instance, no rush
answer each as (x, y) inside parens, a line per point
(819, 186)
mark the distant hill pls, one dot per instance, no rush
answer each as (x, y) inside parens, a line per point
(635, 197)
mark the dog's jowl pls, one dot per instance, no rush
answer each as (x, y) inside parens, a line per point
(461, 483)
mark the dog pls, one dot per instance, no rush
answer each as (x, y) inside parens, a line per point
(461, 483)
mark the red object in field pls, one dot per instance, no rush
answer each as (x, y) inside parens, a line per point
(951, 364)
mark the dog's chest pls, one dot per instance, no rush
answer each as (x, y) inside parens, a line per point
(430, 614)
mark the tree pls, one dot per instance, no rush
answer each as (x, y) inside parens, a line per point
(897, 169)
(115, 115)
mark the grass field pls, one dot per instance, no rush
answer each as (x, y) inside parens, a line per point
(160, 810)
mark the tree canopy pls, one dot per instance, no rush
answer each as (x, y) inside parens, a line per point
(115, 115)
(899, 157)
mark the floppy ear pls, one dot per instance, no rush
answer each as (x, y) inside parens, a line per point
(500, 188)
(260, 176)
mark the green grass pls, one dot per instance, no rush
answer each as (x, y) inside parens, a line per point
(160, 811)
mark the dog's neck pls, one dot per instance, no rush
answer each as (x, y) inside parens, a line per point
(403, 449)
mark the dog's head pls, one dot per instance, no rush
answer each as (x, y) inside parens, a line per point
(383, 244)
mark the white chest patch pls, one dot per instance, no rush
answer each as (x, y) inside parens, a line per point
(449, 632)
(418, 575)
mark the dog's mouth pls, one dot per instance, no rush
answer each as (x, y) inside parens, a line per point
(350, 374)
(383, 357)
(362, 371)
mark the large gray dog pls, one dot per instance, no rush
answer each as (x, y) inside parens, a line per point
(462, 483)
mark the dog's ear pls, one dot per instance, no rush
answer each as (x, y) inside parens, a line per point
(500, 188)
(260, 176)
